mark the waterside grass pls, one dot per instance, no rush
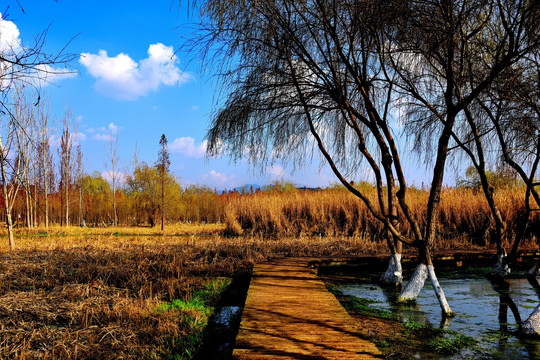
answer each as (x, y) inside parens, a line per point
(464, 218)
(399, 338)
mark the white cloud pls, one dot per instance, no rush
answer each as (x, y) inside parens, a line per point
(9, 37)
(120, 77)
(120, 177)
(105, 133)
(186, 147)
(113, 128)
(76, 137)
(102, 137)
(276, 172)
(11, 48)
(217, 179)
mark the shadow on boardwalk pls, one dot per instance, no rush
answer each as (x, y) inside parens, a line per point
(289, 314)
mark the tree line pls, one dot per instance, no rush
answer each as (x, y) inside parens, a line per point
(44, 182)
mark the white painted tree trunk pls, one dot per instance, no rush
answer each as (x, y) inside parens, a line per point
(393, 275)
(531, 326)
(447, 311)
(501, 267)
(534, 271)
(415, 284)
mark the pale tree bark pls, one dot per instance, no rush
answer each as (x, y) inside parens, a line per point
(414, 285)
(25, 151)
(393, 276)
(531, 326)
(9, 191)
(10, 164)
(80, 176)
(45, 160)
(65, 152)
(112, 155)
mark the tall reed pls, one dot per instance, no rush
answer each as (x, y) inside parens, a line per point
(464, 213)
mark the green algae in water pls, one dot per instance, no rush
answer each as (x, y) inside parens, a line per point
(480, 315)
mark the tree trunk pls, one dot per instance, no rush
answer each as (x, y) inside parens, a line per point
(535, 270)
(414, 285)
(67, 204)
(531, 326)
(439, 292)
(501, 267)
(425, 270)
(162, 199)
(9, 222)
(46, 208)
(393, 275)
(28, 211)
(80, 208)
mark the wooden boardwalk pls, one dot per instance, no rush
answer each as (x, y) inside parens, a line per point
(289, 314)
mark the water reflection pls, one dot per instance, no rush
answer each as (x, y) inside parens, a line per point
(490, 312)
(224, 315)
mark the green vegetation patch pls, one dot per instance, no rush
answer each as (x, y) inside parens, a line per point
(399, 338)
(450, 343)
(361, 306)
(193, 315)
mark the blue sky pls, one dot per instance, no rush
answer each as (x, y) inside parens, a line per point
(125, 81)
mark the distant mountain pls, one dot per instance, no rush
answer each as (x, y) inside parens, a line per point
(247, 188)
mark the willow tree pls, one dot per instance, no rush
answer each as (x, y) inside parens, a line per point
(514, 111)
(322, 76)
(464, 52)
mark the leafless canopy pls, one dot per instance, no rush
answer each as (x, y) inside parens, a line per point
(329, 75)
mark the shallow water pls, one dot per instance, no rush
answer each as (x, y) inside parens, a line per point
(485, 311)
(221, 333)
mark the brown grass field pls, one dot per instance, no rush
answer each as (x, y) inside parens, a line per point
(97, 293)
(139, 293)
(464, 214)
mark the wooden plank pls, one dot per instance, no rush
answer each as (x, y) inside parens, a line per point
(289, 314)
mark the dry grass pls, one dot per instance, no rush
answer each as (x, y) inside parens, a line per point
(180, 229)
(99, 296)
(79, 293)
(464, 214)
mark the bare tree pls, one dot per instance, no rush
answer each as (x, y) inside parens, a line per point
(10, 162)
(80, 176)
(66, 163)
(112, 155)
(28, 66)
(464, 52)
(45, 161)
(325, 76)
(25, 124)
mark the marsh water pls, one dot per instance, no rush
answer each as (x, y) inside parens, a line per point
(485, 310)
